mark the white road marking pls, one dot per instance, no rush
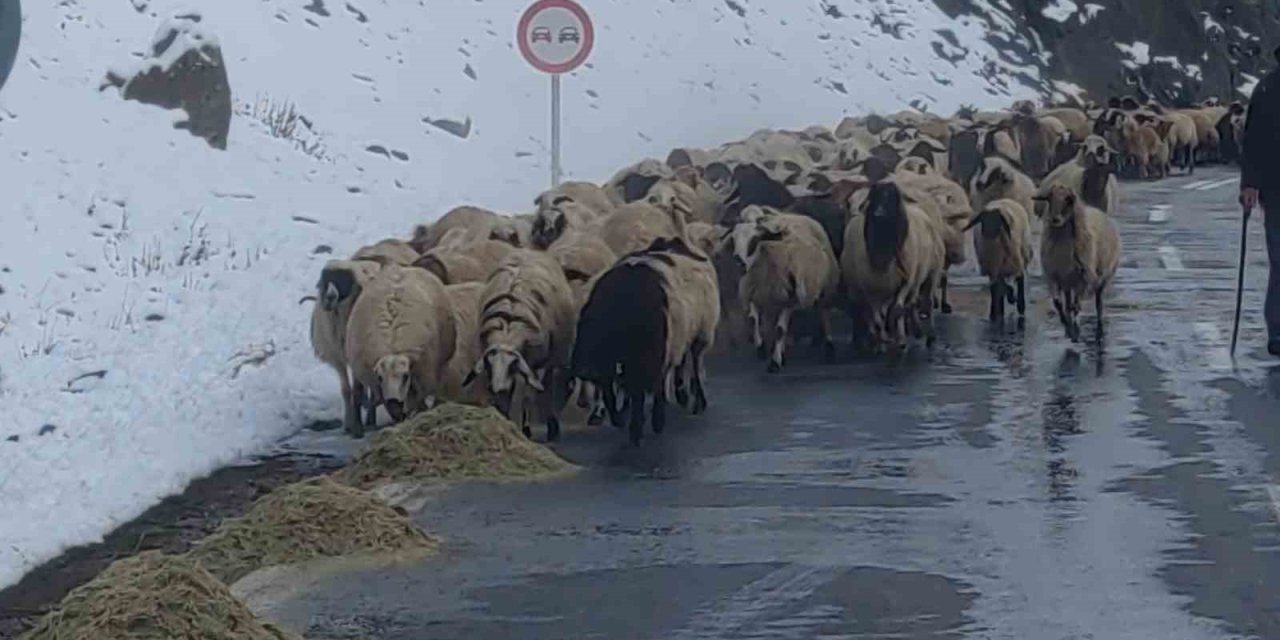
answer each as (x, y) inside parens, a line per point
(1170, 258)
(1195, 185)
(1160, 213)
(1273, 492)
(1217, 354)
(1219, 183)
(731, 616)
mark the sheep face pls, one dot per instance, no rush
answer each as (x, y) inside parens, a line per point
(886, 225)
(992, 177)
(915, 165)
(335, 285)
(663, 195)
(635, 186)
(1096, 152)
(395, 380)
(1062, 206)
(501, 367)
(549, 225)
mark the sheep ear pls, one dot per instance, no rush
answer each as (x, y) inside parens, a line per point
(1043, 198)
(474, 373)
(975, 221)
(528, 374)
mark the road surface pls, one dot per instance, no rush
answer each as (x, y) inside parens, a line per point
(1005, 485)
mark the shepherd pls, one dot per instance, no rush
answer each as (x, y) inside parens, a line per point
(1260, 184)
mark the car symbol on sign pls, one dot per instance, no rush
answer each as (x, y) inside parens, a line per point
(569, 34)
(541, 33)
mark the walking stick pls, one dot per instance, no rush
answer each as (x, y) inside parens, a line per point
(1244, 239)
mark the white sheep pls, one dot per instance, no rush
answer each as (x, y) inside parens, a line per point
(478, 222)
(1079, 253)
(340, 285)
(465, 262)
(389, 251)
(526, 334)
(999, 178)
(790, 267)
(1003, 247)
(464, 302)
(1089, 175)
(400, 339)
(636, 225)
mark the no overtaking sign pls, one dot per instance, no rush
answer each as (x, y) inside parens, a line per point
(555, 36)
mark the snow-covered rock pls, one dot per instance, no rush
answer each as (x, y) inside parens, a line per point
(185, 70)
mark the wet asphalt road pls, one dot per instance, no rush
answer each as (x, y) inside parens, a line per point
(1005, 485)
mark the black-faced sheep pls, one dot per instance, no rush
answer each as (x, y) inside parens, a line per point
(400, 339)
(654, 311)
(340, 285)
(526, 334)
(634, 182)
(1000, 178)
(893, 261)
(1003, 247)
(1080, 253)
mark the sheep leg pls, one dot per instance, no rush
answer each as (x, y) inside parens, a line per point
(610, 392)
(699, 377)
(547, 403)
(996, 296)
(824, 327)
(1022, 296)
(1097, 301)
(780, 340)
(353, 423)
(350, 406)
(757, 338)
(946, 304)
(375, 400)
(637, 417)
(682, 391)
(659, 412)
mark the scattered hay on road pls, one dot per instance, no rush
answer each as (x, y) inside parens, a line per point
(317, 518)
(152, 596)
(452, 442)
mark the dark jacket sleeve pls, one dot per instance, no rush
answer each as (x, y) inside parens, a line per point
(1260, 162)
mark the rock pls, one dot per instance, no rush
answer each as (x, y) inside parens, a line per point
(186, 71)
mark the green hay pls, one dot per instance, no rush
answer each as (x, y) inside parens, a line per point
(152, 596)
(316, 518)
(452, 442)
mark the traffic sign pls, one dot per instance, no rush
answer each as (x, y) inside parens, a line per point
(555, 36)
(10, 35)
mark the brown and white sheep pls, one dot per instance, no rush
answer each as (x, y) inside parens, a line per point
(340, 285)
(1079, 253)
(400, 339)
(1002, 245)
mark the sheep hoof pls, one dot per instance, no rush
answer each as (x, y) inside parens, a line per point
(595, 419)
(553, 430)
(682, 396)
(761, 352)
(528, 433)
(774, 367)
(946, 308)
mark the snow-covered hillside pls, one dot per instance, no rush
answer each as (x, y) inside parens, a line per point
(150, 329)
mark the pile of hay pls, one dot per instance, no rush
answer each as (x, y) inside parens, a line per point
(153, 597)
(452, 442)
(316, 518)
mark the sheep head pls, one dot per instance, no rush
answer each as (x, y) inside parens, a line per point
(886, 225)
(915, 165)
(395, 380)
(1062, 206)
(1096, 152)
(501, 367)
(769, 229)
(666, 195)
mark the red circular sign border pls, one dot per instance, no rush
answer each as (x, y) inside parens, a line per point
(588, 37)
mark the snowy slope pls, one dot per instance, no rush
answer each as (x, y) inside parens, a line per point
(131, 248)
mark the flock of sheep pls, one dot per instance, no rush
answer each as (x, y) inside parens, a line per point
(615, 293)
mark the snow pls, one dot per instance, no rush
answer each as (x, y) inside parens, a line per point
(1090, 13)
(1060, 10)
(1139, 54)
(1211, 26)
(171, 271)
(1247, 87)
(1064, 91)
(1193, 71)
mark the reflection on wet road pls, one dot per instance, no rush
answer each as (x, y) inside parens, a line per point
(1005, 485)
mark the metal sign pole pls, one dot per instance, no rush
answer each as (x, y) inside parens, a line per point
(555, 130)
